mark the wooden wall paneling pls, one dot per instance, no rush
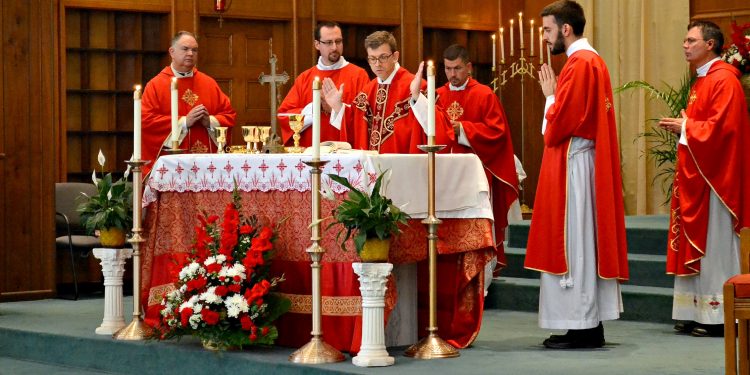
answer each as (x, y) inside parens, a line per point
(411, 35)
(28, 142)
(466, 14)
(722, 13)
(384, 12)
(252, 9)
(124, 5)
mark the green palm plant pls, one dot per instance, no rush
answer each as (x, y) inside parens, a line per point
(662, 144)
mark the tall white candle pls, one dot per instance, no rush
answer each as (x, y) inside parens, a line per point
(173, 107)
(541, 46)
(511, 37)
(137, 123)
(502, 46)
(494, 52)
(316, 118)
(430, 103)
(520, 27)
(531, 38)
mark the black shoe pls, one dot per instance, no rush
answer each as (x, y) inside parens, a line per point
(685, 327)
(708, 330)
(577, 339)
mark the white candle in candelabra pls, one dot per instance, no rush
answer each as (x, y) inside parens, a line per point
(520, 28)
(511, 37)
(430, 103)
(316, 118)
(541, 46)
(493, 51)
(531, 38)
(137, 123)
(173, 109)
(502, 46)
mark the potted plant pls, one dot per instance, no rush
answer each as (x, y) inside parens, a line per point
(110, 211)
(371, 218)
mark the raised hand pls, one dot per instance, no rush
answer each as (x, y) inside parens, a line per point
(673, 125)
(332, 96)
(416, 83)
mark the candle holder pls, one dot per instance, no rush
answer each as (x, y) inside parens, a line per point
(174, 148)
(317, 350)
(137, 329)
(295, 123)
(432, 346)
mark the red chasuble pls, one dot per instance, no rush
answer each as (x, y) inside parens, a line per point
(582, 108)
(381, 119)
(191, 91)
(717, 129)
(353, 78)
(486, 127)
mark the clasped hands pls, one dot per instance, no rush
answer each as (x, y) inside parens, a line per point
(673, 125)
(198, 116)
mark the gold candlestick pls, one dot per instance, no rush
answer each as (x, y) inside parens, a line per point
(137, 329)
(432, 346)
(317, 350)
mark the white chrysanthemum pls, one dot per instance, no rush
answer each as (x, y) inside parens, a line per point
(195, 320)
(209, 296)
(186, 305)
(191, 270)
(209, 261)
(236, 270)
(221, 258)
(235, 305)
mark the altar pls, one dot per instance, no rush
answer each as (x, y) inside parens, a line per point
(276, 189)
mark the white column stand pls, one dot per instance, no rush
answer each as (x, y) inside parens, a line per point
(113, 267)
(372, 280)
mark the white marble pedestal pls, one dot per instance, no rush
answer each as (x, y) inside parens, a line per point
(372, 280)
(113, 267)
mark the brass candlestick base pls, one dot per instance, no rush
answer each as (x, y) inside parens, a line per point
(431, 347)
(174, 148)
(316, 351)
(136, 330)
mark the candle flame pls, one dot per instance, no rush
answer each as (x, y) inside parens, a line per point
(532, 22)
(502, 29)
(493, 36)
(511, 22)
(137, 87)
(520, 14)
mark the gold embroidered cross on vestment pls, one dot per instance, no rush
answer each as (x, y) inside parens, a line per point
(190, 97)
(455, 111)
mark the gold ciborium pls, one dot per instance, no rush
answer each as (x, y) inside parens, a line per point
(251, 135)
(221, 138)
(295, 123)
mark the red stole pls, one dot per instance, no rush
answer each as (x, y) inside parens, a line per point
(351, 76)
(582, 108)
(717, 129)
(381, 119)
(191, 91)
(486, 127)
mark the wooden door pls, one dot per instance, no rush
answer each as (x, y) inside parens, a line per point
(235, 55)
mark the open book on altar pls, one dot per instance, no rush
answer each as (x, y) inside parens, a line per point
(334, 147)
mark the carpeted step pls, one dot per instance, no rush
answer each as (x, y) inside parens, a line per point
(641, 303)
(645, 234)
(645, 269)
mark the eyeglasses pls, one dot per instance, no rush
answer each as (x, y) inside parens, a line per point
(330, 43)
(381, 59)
(691, 41)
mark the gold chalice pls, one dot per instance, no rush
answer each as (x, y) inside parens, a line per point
(295, 123)
(265, 134)
(221, 138)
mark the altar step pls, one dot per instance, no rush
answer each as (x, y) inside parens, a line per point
(647, 296)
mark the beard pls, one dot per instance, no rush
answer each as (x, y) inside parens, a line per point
(559, 46)
(333, 57)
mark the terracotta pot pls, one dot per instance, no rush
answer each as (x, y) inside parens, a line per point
(375, 250)
(112, 237)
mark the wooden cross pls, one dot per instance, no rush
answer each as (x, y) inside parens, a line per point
(273, 80)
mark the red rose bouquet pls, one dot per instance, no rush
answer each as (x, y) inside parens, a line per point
(738, 53)
(223, 293)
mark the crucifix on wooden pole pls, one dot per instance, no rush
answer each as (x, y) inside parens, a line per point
(272, 144)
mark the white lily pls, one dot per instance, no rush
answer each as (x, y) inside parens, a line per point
(100, 158)
(327, 193)
(93, 178)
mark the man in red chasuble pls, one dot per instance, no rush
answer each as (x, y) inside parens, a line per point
(709, 197)
(577, 234)
(389, 115)
(480, 127)
(202, 106)
(331, 64)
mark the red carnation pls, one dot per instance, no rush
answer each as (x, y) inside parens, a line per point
(196, 284)
(246, 229)
(213, 268)
(247, 323)
(185, 316)
(221, 291)
(235, 288)
(264, 330)
(253, 337)
(212, 219)
(210, 317)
